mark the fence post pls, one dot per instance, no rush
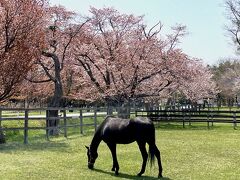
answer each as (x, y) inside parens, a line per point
(184, 116)
(47, 125)
(2, 136)
(0, 117)
(209, 118)
(81, 121)
(26, 127)
(189, 119)
(95, 118)
(234, 120)
(65, 122)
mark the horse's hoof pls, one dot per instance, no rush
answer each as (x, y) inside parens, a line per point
(116, 173)
(160, 176)
(139, 174)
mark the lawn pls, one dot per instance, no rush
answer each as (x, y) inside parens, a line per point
(190, 153)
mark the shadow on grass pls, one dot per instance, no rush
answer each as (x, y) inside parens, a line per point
(127, 176)
(37, 141)
(36, 146)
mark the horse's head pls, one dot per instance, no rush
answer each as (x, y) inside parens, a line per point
(92, 156)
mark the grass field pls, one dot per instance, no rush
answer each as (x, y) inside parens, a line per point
(190, 153)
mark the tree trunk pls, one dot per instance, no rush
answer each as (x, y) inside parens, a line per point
(110, 104)
(2, 135)
(52, 121)
(124, 110)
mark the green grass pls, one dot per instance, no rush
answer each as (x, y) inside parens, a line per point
(190, 153)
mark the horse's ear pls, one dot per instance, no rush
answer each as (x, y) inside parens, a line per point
(87, 147)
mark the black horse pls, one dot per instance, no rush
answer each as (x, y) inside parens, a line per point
(124, 131)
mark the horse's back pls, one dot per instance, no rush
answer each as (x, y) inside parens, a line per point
(145, 127)
(125, 131)
(117, 130)
(144, 121)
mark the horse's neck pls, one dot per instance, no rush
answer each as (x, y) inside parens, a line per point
(95, 141)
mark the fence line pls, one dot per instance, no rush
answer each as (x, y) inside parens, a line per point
(81, 114)
(26, 117)
(191, 116)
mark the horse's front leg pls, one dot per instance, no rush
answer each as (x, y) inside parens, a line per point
(112, 147)
(142, 147)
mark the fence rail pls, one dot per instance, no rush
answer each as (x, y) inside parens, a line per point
(192, 116)
(25, 116)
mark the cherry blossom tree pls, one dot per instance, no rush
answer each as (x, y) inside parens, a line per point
(233, 29)
(114, 58)
(115, 53)
(122, 59)
(226, 74)
(20, 21)
(199, 84)
(61, 29)
(233, 14)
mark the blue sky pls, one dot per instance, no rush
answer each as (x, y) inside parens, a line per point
(205, 21)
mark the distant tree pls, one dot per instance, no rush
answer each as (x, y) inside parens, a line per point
(232, 73)
(227, 76)
(199, 84)
(233, 14)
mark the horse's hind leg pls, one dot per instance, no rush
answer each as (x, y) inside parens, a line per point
(112, 147)
(157, 154)
(142, 147)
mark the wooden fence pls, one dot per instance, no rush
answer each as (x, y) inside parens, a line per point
(89, 117)
(192, 116)
(65, 114)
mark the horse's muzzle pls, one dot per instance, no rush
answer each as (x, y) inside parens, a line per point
(90, 165)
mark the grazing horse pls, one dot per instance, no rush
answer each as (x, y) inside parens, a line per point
(124, 131)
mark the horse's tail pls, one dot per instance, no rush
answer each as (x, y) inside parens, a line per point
(151, 156)
(152, 146)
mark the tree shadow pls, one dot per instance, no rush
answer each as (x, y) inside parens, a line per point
(127, 176)
(36, 146)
